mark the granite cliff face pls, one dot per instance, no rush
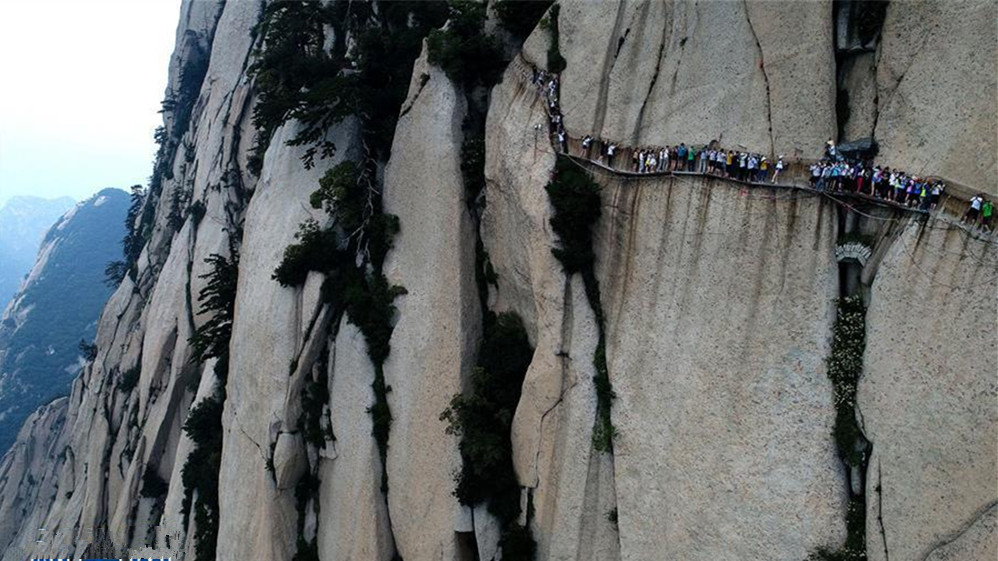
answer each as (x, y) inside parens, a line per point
(710, 308)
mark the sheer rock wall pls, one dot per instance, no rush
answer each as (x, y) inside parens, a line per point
(936, 86)
(719, 304)
(928, 400)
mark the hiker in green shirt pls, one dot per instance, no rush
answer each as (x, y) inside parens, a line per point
(987, 209)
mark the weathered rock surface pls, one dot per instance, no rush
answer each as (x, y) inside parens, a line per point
(937, 85)
(789, 402)
(38, 440)
(978, 541)
(929, 397)
(574, 496)
(571, 484)
(354, 523)
(438, 327)
(723, 407)
(256, 517)
(518, 163)
(664, 73)
(859, 80)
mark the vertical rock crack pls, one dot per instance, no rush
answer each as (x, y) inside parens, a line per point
(880, 509)
(765, 78)
(651, 86)
(609, 59)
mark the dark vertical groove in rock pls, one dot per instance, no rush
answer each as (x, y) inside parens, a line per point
(854, 456)
(880, 509)
(863, 21)
(609, 59)
(876, 95)
(188, 296)
(765, 77)
(651, 87)
(620, 42)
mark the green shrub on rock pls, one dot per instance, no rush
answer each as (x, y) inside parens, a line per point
(845, 366)
(217, 298)
(483, 419)
(854, 548)
(153, 486)
(315, 250)
(577, 207)
(340, 196)
(203, 425)
(200, 474)
(463, 50)
(556, 62)
(129, 379)
(88, 351)
(297, 78)
(517, 543)
(519, 17)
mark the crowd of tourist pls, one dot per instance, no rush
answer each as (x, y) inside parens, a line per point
(837, 173)
(834, 172)
(708, 159)
(896, 186)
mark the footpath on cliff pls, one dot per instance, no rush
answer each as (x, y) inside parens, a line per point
(923, 195)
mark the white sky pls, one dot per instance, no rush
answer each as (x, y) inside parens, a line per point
(80, 87)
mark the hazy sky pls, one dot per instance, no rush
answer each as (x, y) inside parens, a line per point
(80, 87)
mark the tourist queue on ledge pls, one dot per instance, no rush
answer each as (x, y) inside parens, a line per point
(833, 172)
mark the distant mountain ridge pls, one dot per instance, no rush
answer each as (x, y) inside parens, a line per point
(23, 221)
(57, 305)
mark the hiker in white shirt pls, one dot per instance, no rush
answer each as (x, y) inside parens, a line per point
(779, 167)
(719, 160)
(815, 174)
(973, 210)
(935, 195)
